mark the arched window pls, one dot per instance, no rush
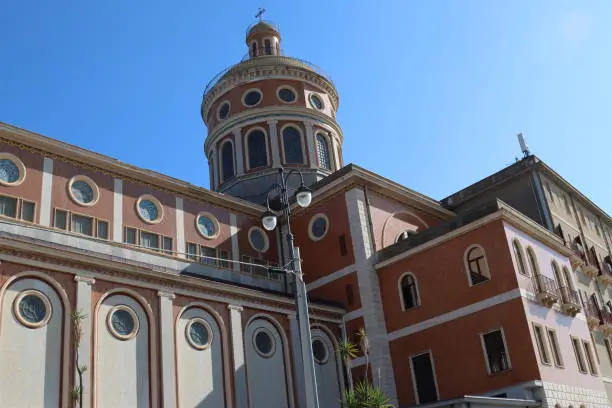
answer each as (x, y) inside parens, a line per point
(557, 273)
(258, 151)
(568, 278)
(520, 260)
(292, 144)
(323, 152)
(227, 161)
(254, 47)
(404, 235)
(408, 291)
(268, 46)
(533, 262)
(476, 265)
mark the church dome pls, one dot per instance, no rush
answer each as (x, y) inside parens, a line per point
(262, 27)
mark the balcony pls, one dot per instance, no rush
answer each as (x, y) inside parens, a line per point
(606, 322)
(570, 302)
(546, 290)
(605, 275)
(577, 258)
(592, 316)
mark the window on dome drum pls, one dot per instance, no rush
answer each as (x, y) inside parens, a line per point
(18, 208)
(254, 48)
(292, 143)
(252, 98)
(316, 101)
(268, 47)
(409, 292)
(258, 151)
(520, 260)
(227, 161)
(207, 255)
(323, 152)
(224, 110)
(147, 240)
(286, 95)
(496, 352)
(80, 224)
(477, 266)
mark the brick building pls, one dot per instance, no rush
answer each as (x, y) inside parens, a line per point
(495, 296)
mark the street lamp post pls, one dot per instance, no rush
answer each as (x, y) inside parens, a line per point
(303, 196)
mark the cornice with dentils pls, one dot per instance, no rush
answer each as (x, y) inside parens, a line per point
(116, 168)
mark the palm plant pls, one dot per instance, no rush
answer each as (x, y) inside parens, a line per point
(77, 332)
(347, 352)
(365, 395)
(364, 344)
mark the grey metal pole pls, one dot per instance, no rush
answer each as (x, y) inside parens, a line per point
(301, 303)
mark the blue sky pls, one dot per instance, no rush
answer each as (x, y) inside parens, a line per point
(432, 93)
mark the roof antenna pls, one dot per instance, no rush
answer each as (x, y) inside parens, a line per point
(259, 14)
(523, 144)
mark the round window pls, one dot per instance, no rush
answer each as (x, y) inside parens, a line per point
(198, 333)
(83, 190)
(252, 97)
(12, 170)
(32, 308)
(207, 225)
(264, 343)
(122, 322)
(258, 239)
(224, 110)
(316, 101)
(319, 351)
(149, 209)
(318, 227)
(286, 95)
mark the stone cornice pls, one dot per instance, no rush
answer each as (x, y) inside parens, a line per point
(55, 149)
(284, 113)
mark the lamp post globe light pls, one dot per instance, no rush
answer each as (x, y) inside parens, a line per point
(269, 220)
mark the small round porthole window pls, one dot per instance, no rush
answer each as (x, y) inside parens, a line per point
(198, 333)
(224, 110)
(318, 227)
(207, 225)
(258, 239)
(251, 97)
(264, 342)
(316, 101)
(32, 308)
(149, 209)
(12, 170)
(123, 322)
(286, 95)
(319, 351)
(83, 190)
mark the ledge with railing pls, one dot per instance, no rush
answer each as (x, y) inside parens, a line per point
(606, 321)
(570, 300)
(546, 289)
(605, 274)
(592, 315)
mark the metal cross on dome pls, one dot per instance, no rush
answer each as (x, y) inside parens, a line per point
(259, 14)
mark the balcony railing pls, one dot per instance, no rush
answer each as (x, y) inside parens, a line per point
(605, 274)
(570, 301)
(546, 289)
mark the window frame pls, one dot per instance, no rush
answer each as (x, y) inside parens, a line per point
(158, 204)
(222, 160)
(417, 302)
(19, 208)
(519, 258)
(543, 349)
(20, 167)
(578, 353)
(302, 144)
(532, 261)
(94, 223)
(292, 89)
(245, 93)
(313, 219)
(266, 239)
(608, 345)
(161, 250)
(486, 355)
(247, 150)
(91, 183)
(229, 110)
(590, 358)
(466, 262)
(433, 370)
(557, 356)
(330, 149)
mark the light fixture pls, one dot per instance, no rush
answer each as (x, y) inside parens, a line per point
(268, 220)
(303, 196)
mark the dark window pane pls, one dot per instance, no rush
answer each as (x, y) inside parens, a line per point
(8, 206)
(224, 255)
(103, 229)
(27, 211)
(424, 378)
(60, 219)
(227, 160)
(252, 98)
(130, 236)
(268, 47)
(224, 110)
(409, 292)
(208, 255)
(292, 141)
(350, 298)
(168, 245)
(258, 152)
(149, 240)
(82, 225)
(323, 152)
(496, 351)
(286, 95)
(342, 243)
(192, 251)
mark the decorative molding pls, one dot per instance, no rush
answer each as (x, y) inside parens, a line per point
(86, 279)
(169, 295)
(237, 308)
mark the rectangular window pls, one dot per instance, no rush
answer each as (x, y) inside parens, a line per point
(27, 211)
(225, 256)
(608, 349)
(423, 375)
(60, 219)
(246, 268)
(541, 343)
(208, 255)
(349, 294)
(168, 245)
(342, 243)
(589, 357)
(8, 206)
(554, 345)
(192, 251)
(82, 224)
(495, 351)
(149, 240)
(130, 235)
(102, 231)
(579, 356)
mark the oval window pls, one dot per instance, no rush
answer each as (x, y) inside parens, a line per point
(149, 209)
(318, 227)
(252, 98)
(33, 309)
(122, 322)
(316, 101)
(224, 110)
(319, 351)
(198, 333)
(286, 95)
(207, 225)
(264, 344)
(258, 239)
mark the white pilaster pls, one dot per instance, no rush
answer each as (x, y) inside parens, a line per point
(240, 383)
(369, 292)
(167, 350)
(310, 143)
(118, 211)
(180, 228)
(274, 143)
(44, 216)
(239, 151)
(83, 306)
(234, 240)
(334, 147)
(296, 353)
